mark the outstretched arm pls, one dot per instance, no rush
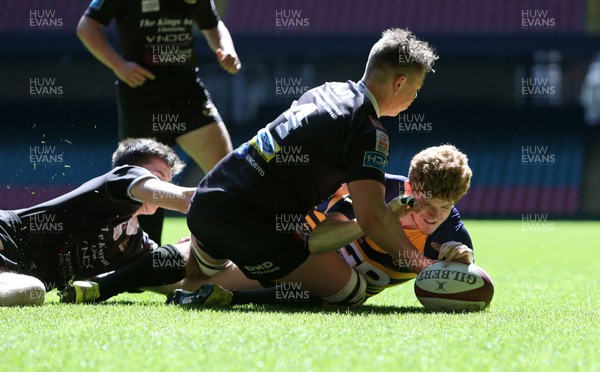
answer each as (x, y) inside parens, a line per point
(164, 194)
(381, 224)
(220, 41)
(91, 34)
(334, 232)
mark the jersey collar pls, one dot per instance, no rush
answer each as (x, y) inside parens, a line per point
(362, 87)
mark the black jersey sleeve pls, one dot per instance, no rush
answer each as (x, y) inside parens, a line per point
(394, 186)
(452, 229)
(120, 180)
(366, 152)
(104, 11)
(207, 16)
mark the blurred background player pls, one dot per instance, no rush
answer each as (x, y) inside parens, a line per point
(159, 92)
(92, 229)
(238, 204)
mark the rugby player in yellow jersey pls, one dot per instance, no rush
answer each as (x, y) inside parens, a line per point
(438, 178)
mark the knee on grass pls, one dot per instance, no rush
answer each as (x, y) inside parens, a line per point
(21, 290)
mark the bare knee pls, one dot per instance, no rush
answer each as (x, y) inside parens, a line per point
(206, 145)
(21, 290)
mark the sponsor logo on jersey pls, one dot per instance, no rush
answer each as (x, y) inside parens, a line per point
(383, 143)
(242, 151)
(374, 159)
(171, 38)
(254, 164)
(265, 144)
(150, 6)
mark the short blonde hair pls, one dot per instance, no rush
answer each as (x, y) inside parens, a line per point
(440, 172)
(399, 52)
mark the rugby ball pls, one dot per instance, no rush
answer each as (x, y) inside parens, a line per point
(454, 286)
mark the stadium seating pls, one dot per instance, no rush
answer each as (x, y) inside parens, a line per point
(503, 185)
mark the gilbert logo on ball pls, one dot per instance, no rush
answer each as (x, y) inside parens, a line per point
(454, 286)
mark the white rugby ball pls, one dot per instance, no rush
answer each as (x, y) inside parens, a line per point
(454, 286)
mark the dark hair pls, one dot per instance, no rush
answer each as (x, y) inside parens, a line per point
(138, 151)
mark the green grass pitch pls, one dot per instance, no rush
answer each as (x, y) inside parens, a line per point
(544, 316)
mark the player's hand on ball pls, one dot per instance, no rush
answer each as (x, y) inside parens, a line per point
(454, 251)
(132, 74)
(228, 61)
(401, 205)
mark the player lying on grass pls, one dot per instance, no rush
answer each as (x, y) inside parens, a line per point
(92, 229)
(438, 178)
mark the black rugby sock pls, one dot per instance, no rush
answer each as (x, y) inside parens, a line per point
(164, 265)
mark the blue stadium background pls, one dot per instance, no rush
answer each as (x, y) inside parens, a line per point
(474, 100)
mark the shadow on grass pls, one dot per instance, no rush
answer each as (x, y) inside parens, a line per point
(265, 308)
(293, 309)
(279, 308)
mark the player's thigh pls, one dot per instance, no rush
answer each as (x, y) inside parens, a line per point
(323, 275)
(191, 266)
(233, 278)
(206, 145)
(18, 290)
(229, 278)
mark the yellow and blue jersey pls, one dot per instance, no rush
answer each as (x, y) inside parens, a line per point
(382, 270)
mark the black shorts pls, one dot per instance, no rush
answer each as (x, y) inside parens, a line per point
(41, 264)
(228, 229)
(165, 109)
(10, 256)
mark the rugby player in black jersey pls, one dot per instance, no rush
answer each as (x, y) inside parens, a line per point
(238, 208)
(159, 93)
(439, 177)
(93, 229)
